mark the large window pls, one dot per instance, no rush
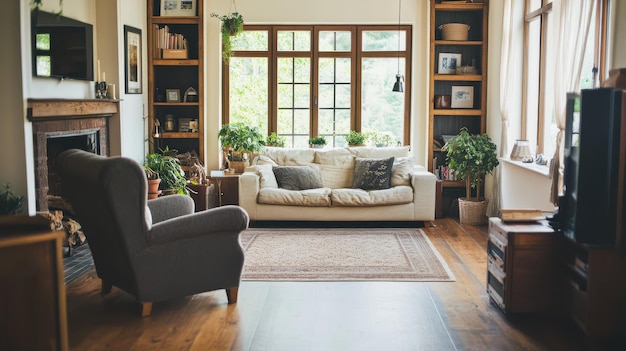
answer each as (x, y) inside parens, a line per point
(304, 81)
(539, 124)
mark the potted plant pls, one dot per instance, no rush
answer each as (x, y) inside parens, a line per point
(231, 26)
(317, 142)
(153, 182)
(356, 138)
(471, 157)
(381, 139)
(170, 172)
(275, 140)
(239, 141)
(10, 204)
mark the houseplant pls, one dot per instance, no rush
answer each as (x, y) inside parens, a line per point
(356, 138)
(318, 141)
(239, 141)
(380, 139)
(10, 204)
(170, 172)
(471, 157)
(275, 140)
(232, 25)
(153, 182)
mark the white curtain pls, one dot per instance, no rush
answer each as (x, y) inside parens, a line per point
(573, 20)
(510, 82)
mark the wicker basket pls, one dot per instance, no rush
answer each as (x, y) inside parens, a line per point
(473, 212)
(454, 31)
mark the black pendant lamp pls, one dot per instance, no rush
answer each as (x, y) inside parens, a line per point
(398, 85)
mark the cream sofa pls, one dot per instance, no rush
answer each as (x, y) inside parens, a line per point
(410, 197)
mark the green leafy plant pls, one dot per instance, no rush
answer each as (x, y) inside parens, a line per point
(275, 140)
(318, 140)
(356, 138)
(10, 204)
(168, 168)
(381, 139)
(471, 157)
(239, 138)
(232, 25)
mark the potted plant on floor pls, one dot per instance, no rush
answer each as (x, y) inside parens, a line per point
(239, 142)
(356, 138)
(471, 157)
(231, 26)
(317, 142)
(169, 170)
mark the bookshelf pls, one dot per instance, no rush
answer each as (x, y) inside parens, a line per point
(176, 64)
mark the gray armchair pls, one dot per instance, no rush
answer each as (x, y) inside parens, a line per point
(157, 249)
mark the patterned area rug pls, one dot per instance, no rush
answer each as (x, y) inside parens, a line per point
(342, 254)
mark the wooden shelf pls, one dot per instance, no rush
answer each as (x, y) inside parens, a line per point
(175, 19)
(178, 135)
(459, 77)
(175, 104)
(175, 62)
(460, 6)
(459, 42)
(458, 112)
(451, 184)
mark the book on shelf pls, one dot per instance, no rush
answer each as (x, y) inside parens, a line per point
(165, 40)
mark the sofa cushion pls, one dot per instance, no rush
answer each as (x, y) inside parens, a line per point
(359, 197)
(298, 177)
(380, 152)
(289, 156)
(336, 167)
(372, 173)
(401, 171)
(267, 179)
(264, 160)
(319, 197)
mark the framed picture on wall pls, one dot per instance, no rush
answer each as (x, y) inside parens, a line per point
(178, 7)
(132, 59)
(448, 62)
(462, 97)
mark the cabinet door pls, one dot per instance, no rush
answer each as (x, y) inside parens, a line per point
(230, 191)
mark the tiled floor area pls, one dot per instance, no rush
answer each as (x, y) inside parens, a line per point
(78, 264)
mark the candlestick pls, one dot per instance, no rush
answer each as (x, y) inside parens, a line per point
(104, 79)
(99, 71)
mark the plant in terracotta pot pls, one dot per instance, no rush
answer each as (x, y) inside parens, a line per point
(356, 138)
(471, 157)
(232, 25)
(170, 172)
(317, 142)
(153, 182)
(275, 140)
(239, 141)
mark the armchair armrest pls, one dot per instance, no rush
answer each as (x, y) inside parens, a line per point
(226, 219)
(166, 207)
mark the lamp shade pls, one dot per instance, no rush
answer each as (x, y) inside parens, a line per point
(398, 86)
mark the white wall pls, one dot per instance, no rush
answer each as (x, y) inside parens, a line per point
(414, 12)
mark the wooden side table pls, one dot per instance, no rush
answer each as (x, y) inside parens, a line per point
(227, 187)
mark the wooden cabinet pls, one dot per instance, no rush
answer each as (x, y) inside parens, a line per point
(32, 288)
(445, 120)
(176, 117)
(594, 290)
(226, 187)
(522, 264)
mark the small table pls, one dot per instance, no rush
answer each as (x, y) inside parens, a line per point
(227, 186)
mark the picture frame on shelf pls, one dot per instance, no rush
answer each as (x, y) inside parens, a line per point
(462, 97)
(172, 95)
(178, 7)
(448, 62)
(184, 125)
(132, 60)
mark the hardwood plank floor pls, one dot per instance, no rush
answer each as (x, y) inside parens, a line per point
(280, 316)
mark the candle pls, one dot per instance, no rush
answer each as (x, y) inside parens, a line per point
(104, 75)
(98, 70)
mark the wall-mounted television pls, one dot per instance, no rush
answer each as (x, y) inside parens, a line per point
(62, 47)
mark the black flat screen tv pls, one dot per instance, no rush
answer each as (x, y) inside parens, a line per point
(61, 47)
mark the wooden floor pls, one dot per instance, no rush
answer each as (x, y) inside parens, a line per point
(294, 316)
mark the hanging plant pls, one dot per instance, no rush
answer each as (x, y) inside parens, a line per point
(231, 26)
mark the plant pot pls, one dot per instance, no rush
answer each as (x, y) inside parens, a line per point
(238, 166)
(473, 212)
(153, 186)
(317, 146)
(154, 195)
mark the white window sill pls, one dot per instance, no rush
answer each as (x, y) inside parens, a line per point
(533, 167)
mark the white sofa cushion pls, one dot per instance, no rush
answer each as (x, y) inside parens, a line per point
(358, 197)
(311, 197)
(290, 157)
(267, 178)
(336, 167)
(401, 171)
(380, 152)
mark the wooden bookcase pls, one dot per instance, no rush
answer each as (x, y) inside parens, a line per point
(448, 121)
(185, 71)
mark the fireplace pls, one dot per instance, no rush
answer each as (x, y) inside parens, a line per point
(59, 125)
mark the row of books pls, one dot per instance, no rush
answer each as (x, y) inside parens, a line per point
(163, 39)
(444, 173)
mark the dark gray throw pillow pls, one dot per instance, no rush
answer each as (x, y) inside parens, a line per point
(298, 177)
(372, 173)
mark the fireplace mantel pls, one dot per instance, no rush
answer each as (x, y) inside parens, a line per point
(47, 109)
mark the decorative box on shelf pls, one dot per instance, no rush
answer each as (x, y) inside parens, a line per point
(179, 54)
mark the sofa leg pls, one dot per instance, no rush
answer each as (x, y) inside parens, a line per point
(146, 309)
(231, 294)
(106, 287)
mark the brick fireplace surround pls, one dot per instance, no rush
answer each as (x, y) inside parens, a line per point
(56, 119)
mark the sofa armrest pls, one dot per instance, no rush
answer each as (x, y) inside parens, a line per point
(424, 186)
(249, 187)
